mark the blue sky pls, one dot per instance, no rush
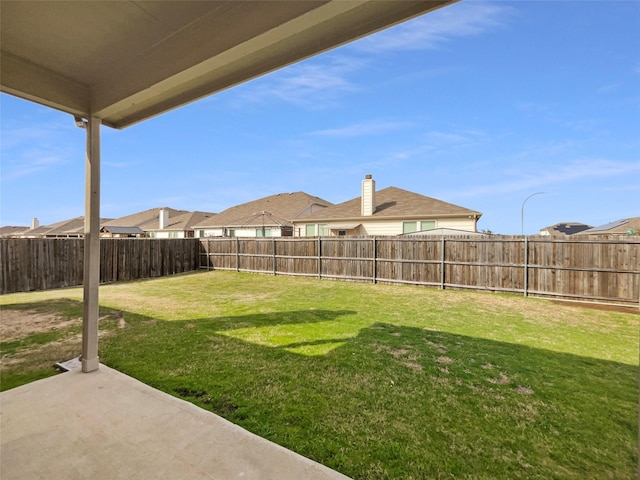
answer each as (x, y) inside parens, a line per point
(480, 104)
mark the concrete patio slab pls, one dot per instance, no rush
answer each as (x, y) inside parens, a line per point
(107, 425)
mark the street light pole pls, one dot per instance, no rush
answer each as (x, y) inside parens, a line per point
(522, 210)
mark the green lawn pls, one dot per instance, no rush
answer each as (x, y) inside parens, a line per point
(374, 381)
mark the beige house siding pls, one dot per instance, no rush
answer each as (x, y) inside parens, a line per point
(468, 224)
(168, 234)
(248, 232)
(389, 227)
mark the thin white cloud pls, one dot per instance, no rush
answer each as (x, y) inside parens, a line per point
(30, 162)
(319, 83)
(315, 84)
(441, 141)
(34, 147)
(527, 177)
(374, 127)
(434, 29)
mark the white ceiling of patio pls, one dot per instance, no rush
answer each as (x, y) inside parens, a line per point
(125, 61)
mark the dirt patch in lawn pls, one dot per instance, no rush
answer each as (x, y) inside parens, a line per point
(17, 324)
(21, 325)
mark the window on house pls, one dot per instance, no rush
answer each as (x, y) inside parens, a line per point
(201, 234)
(310, 230)
(323, 230)
(342, 233)
(173, 234)
(428, 225)
(231, 232)
(408, 227)
(263, 232)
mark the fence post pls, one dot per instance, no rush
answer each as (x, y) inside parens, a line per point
(274, 256)
(208, 254)
(237, 254)
(375, 260)
(319, 258)
(442, 263)
(526, 265)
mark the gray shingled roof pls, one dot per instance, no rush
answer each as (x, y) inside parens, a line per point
(272, 211)
(141, 218)
(73, 226)
(392, 202)
(10, 230)
(180, 222)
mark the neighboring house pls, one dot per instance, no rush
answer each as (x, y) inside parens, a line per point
(271, 216)
(175, 226)
(391, 211)
(162, 222)
(121, 232)
(12, 231)
(141, 218)
(72, 228)
(564, 229)
(155, 222)
(626, 226)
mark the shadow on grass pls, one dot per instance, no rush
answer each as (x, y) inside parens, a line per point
(396, 401)
(399, 402)
(271, 319)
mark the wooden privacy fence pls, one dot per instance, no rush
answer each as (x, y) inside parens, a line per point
(605, 270)
(43, 263)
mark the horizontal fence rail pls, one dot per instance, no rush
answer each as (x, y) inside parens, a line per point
(44, 263)
(604, 270)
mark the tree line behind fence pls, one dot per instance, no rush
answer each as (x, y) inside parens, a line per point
(581, 268)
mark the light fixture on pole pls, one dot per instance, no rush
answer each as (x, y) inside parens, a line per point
(522, 210)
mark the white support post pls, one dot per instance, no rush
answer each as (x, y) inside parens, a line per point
(90, 361)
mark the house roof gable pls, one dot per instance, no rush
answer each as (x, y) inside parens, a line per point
(392, 202)
(274, 210)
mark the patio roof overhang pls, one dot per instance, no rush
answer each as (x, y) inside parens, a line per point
(126, 61)
(121, 62)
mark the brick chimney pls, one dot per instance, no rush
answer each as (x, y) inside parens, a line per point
(368, 199)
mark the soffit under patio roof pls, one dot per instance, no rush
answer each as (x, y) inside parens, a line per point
(125, 61)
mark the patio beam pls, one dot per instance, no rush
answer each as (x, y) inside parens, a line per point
(38, 84)
(91, 282)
